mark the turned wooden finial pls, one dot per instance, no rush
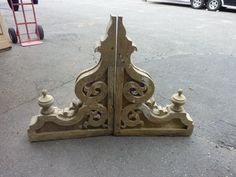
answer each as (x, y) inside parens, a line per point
(44, 93)
(180, 92)
(178, 100)
(45, 102)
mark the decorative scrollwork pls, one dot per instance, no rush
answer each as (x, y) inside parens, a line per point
(91, 85)
(96, 116)
(69, 112)
(92, 92)
(140, 89)
(131, 116)
(135, 92)
(95, 89)
(138, 86)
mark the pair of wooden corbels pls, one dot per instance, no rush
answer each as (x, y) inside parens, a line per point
(113, 98)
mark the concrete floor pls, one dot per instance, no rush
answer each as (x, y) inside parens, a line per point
(180, 47)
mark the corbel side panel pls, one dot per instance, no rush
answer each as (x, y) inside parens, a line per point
(136, 112)
(91, 114)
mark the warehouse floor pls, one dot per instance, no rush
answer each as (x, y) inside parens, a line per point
(180, 48)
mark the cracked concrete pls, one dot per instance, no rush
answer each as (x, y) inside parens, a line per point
(180, 48)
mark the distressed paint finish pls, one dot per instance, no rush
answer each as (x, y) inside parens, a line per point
(114, 97)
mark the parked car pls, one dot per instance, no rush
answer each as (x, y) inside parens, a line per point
(211, 5)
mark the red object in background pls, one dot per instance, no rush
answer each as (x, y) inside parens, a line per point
(15, 35)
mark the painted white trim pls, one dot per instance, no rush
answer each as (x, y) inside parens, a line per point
(222, 2)
(230, 7)
(227, 6)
